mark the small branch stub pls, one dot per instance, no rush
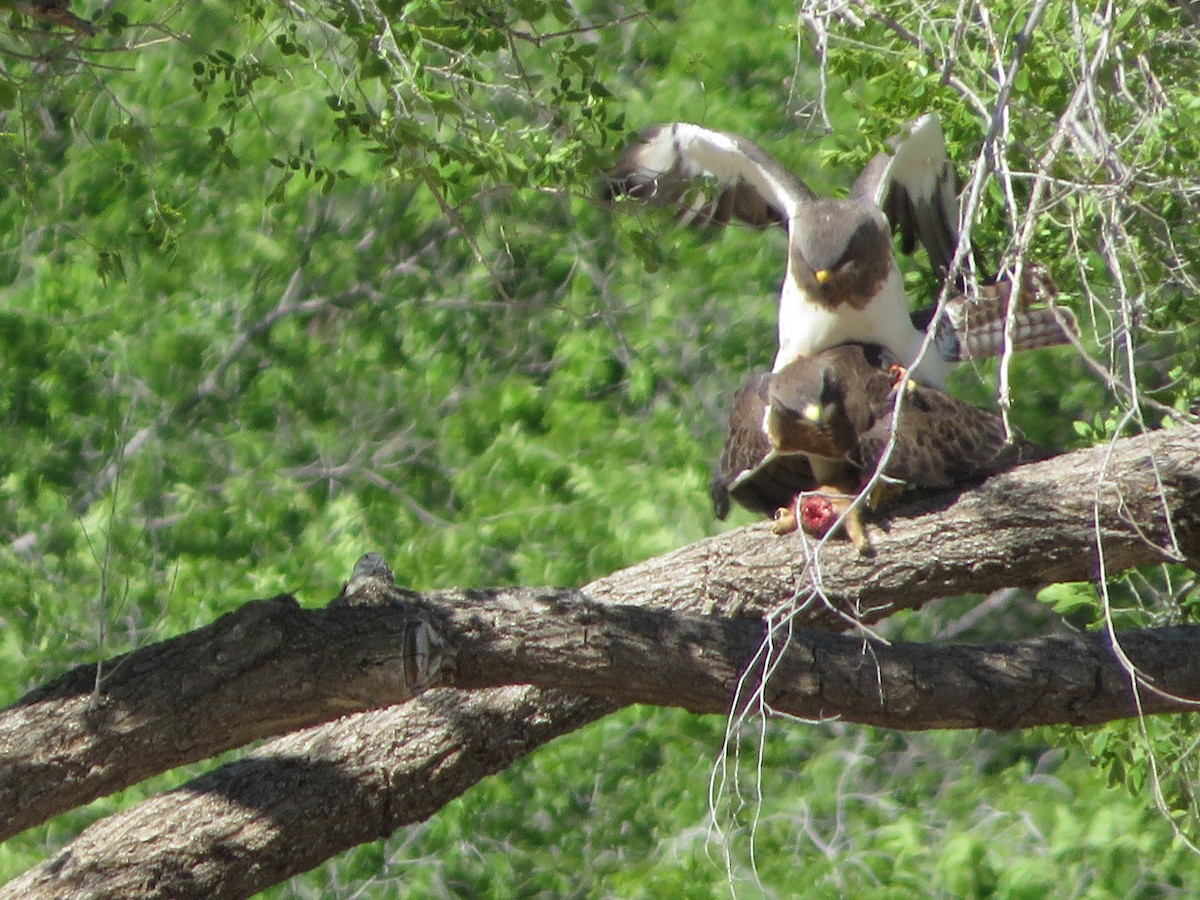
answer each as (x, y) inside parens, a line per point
(372, 583)
(422, 657)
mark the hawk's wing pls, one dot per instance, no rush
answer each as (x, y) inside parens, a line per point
(916, 187)
(773, 483)
(669, 165)
(838, 406)
(750, 472)
(710, 177)
(942, 440)
(840, 403)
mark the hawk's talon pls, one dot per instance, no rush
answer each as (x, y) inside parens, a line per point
(785, 520)
(884, 490)
(899, 376)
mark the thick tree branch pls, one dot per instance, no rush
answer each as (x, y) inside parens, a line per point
(304, 798)
(363, 775)
(1027, 528)
(95, 742)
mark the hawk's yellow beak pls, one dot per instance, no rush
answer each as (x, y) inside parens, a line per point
(812, 412)
(822, 275)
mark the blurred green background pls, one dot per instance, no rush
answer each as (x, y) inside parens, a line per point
(277, 291)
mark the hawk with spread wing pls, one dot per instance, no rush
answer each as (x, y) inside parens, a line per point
(842, 282)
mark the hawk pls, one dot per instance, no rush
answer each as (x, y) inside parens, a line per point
(828, 422)
(842, 282)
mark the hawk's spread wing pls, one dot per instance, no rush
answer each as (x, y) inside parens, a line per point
(841, 282)
(917, 190)
(669, 165)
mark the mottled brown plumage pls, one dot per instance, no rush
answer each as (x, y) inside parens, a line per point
(840, 405)
(825, 421)
(749, 472)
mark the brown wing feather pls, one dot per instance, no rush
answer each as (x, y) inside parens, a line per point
(749, 473)
(929, 217)
(942, 441)
(670, 165)
(773, 483)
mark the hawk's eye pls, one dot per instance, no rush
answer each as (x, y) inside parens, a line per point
(847, 262)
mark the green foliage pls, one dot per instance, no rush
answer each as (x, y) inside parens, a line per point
(323, 278)
(1155, 758)
(851, 811)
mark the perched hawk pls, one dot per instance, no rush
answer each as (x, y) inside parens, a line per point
(842, 282)
(827, 424)
(838, 407)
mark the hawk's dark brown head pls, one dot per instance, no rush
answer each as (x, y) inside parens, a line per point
(841, 252)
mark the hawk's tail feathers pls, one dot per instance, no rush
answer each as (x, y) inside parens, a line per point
(973, 327)
(1032, 328)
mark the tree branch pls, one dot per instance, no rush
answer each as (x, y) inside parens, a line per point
(1027, 528)
(271, 667)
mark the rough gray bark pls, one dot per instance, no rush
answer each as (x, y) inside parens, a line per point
(234, 832)
(252, 823)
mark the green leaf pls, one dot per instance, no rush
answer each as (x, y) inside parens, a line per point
(1071, 597)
